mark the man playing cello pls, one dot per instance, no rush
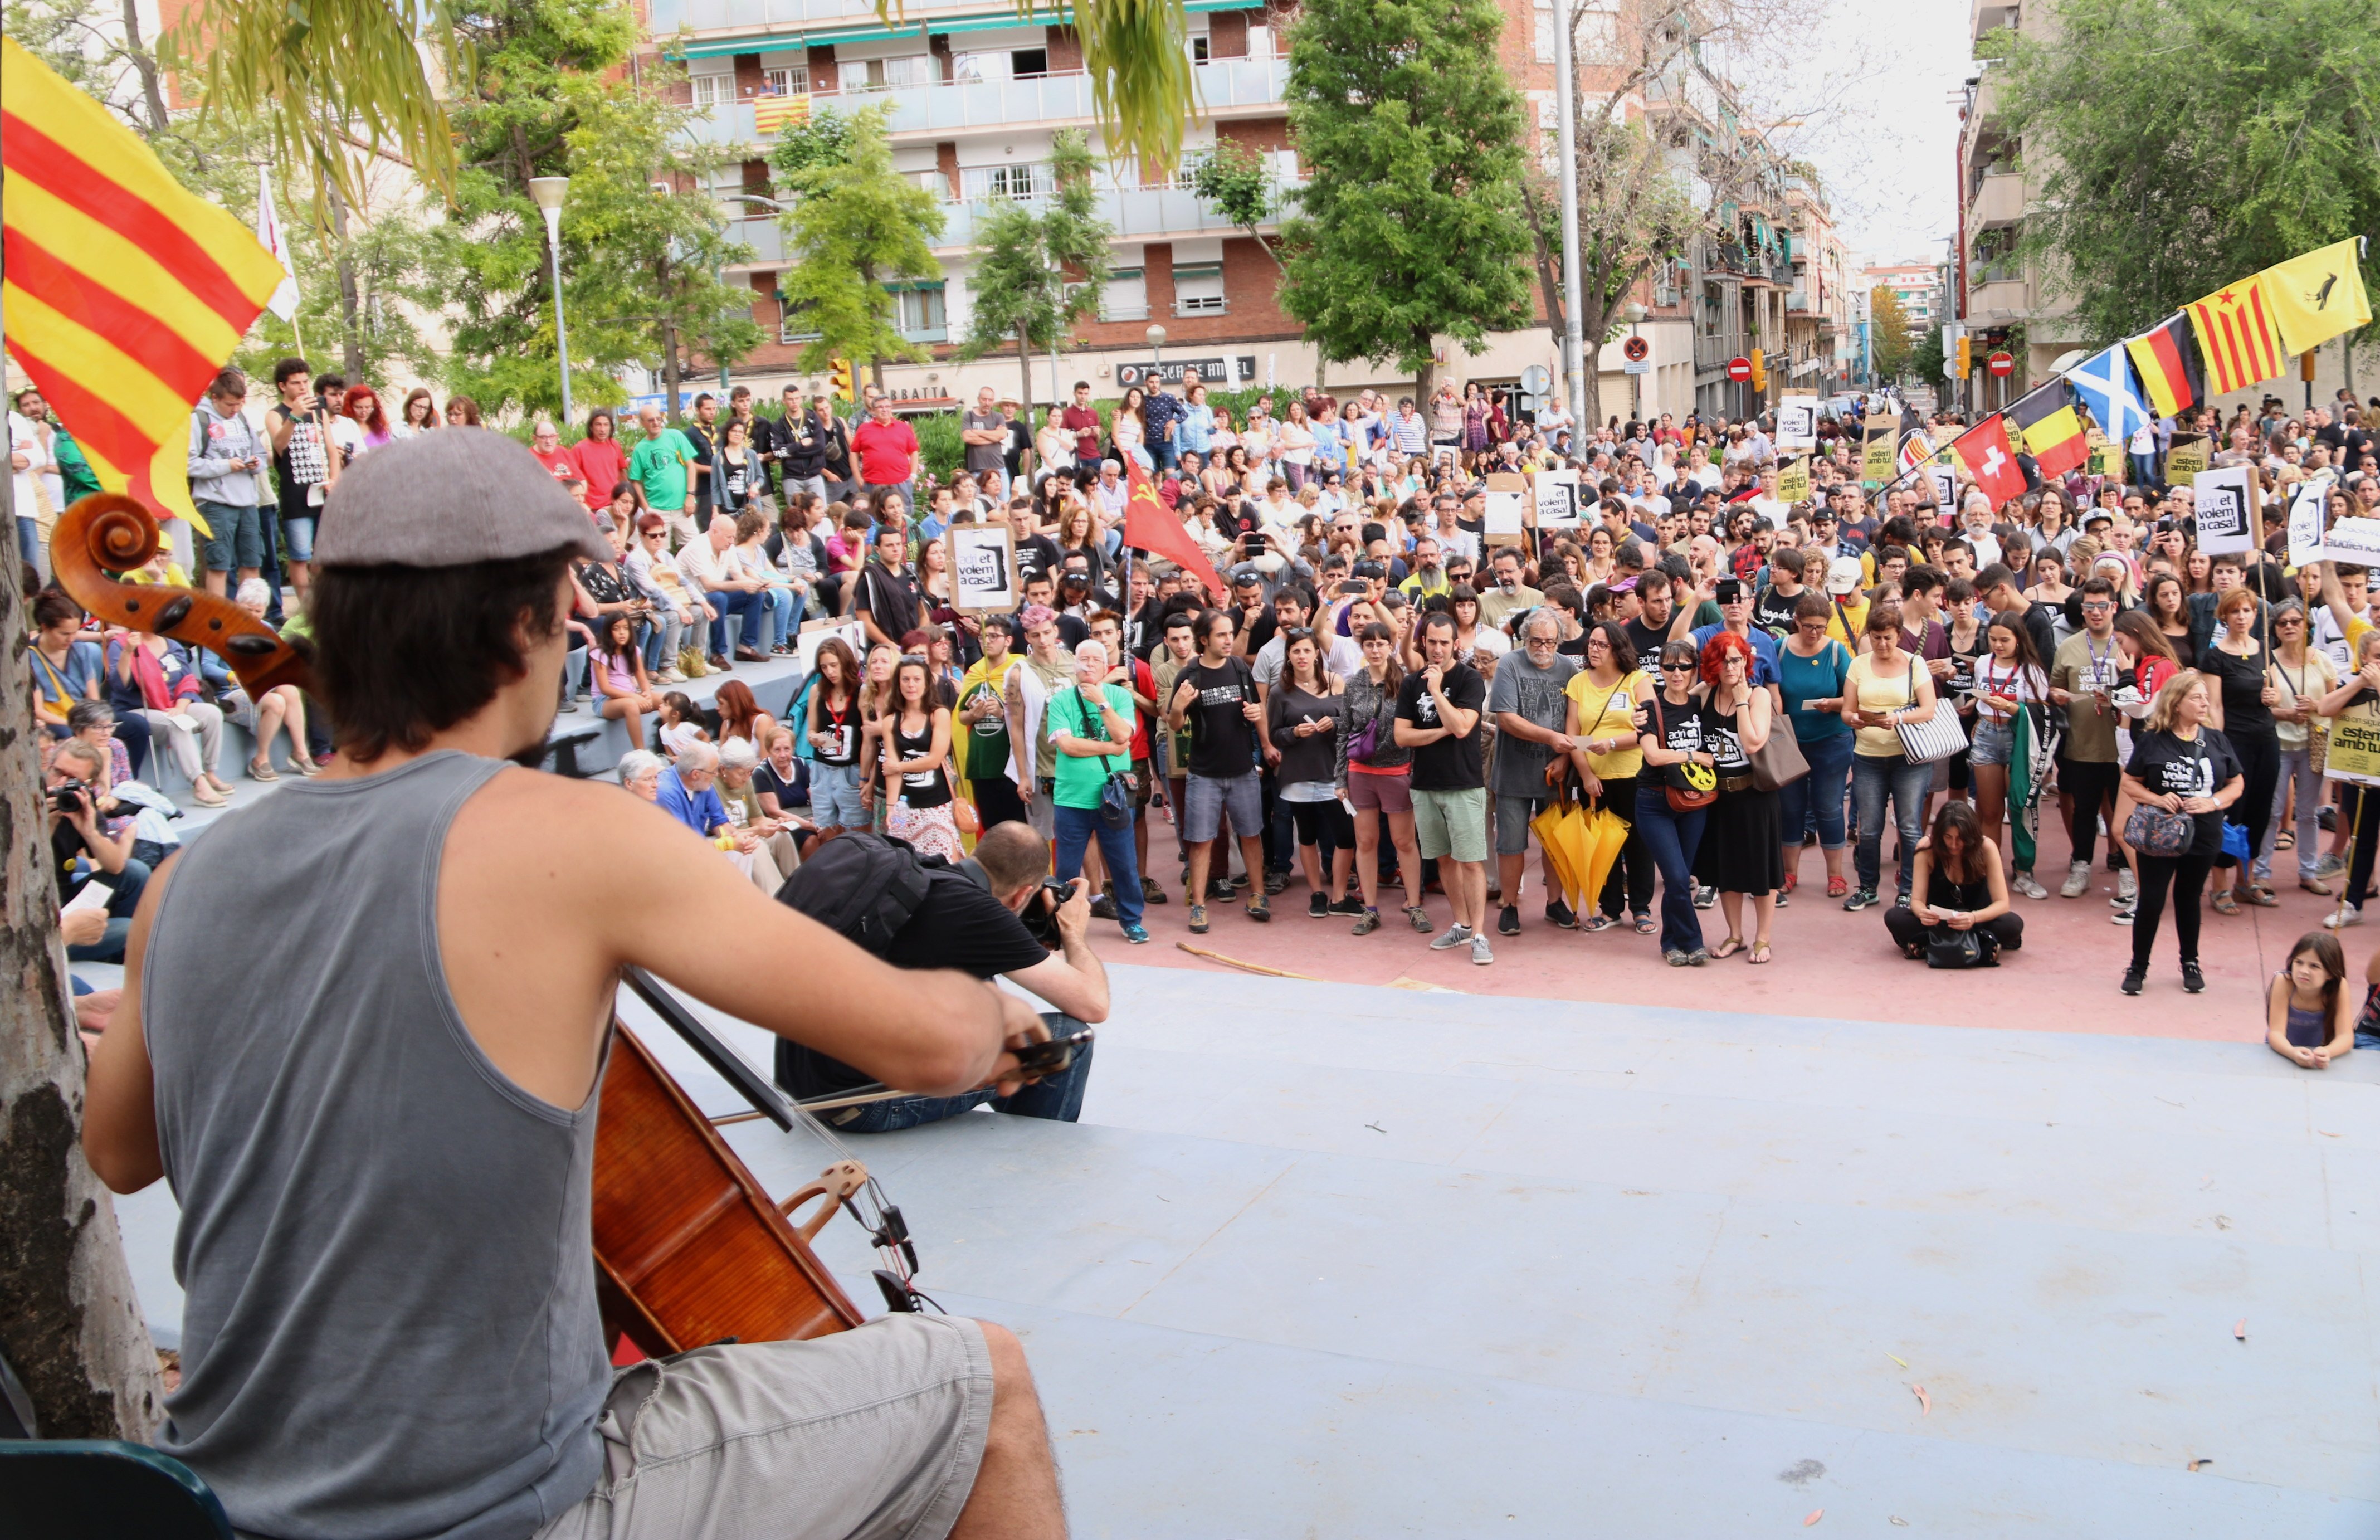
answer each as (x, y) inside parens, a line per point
(364, 1031)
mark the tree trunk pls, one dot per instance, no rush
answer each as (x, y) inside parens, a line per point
(1025, 374)
(144, 64)
(350, 320)
(670, 376)
(1547, 284)
(69, 1325)
(1426, 377)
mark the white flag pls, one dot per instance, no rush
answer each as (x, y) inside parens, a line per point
(268, 235)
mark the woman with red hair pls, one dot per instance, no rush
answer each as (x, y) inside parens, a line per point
(362, 403)
(1740, 853)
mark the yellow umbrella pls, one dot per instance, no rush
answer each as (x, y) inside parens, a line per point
(1562, 830)
(1606, 832)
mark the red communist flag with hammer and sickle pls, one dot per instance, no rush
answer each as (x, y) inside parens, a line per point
(1985, 452)
(1152, 526)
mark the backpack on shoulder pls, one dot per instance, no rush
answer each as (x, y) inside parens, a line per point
(862, 887)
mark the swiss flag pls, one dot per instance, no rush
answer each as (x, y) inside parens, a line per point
(1150, 525)
(1990, 457)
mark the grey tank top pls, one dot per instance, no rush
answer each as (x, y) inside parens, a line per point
(390, 1326)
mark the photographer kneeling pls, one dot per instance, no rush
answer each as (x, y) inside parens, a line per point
(84, 850)
(992, 915)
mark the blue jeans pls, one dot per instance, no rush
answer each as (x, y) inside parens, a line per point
(127, 884)
(2143, 468)
(834, 797)
(1076, 827)
(1672, 838)
(1873, 778)
(1059, 1099)
(1816, 800)
(29, 543)
(731, 604)
(785, 617)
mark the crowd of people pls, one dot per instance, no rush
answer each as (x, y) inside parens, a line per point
(1387, 700)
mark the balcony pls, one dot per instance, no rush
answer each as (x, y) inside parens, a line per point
(1985, 17)
(1797, 302)
(1713, 352)
(1999, 293)
(1999, 200)
(952, 107)
(705, 17)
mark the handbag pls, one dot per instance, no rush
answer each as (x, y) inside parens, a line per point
(1946, 948)
(1778, 762)
(1690, 787)
(1934, 740)
(2154, 832)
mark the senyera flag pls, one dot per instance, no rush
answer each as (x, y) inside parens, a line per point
(125, 293)
(1150, 525)
(1990, 457)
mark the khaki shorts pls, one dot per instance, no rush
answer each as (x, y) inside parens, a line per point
(876, 1432)
(1452, 825)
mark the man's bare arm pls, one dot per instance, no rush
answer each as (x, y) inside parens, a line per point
(119, 1107)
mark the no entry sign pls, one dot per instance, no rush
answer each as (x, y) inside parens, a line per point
(1739, 369)
(2001, 365)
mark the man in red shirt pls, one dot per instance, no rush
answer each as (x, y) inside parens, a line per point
(545, 443)
(888, 454)
(1082, 419)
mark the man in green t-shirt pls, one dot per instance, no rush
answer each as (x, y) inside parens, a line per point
(661, 463)
(1090, 728)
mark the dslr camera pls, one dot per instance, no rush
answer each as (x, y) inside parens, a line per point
(1041, 912)
(70, 797)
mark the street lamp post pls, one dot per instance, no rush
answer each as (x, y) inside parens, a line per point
(719, 275)
(548, 191)
(1156, 335)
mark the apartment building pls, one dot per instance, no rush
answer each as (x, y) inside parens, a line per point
(975, 95)
(1817, 308)
(1995, 291)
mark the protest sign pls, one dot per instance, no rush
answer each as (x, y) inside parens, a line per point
(1557, 493)
(1793, 479)
(2225, 507)
(1797, 422)
(983, 569)
(1505, 521)
(2355, 541)
(2188, 456)
(2306, 509)
(814, 635)
(1876, 455)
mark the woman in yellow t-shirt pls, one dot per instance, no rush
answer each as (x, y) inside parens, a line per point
(1886, 686)
(1601, 720)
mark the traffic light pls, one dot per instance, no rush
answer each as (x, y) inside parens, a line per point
(839, 376)
(1966, 356)
(1759, 373)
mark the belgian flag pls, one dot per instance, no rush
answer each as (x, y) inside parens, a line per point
(2052, 428)
(2172, 375)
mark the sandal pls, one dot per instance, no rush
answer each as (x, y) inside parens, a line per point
(262, 769)
(1727, 948)
(1647, 924)
(2225, 903)
(2285, 841)
(1760, 953)
(2261, 896)
(1836, 887)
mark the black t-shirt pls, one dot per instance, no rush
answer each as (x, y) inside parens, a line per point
(1020, 440)
(1773, 611)
(790, 792)
(296, 481)
(1648, 639)
(1680, 729)
(958, 925)
(1448, 764)
(1036, 555)
(696, 435)
(1222, 741)
(2164, 763)
(2244, 711)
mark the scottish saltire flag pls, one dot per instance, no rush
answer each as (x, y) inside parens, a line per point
(2107, 386)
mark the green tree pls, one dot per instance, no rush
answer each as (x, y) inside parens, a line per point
(639, 266)
(2176, 146)
(1412, 224)
(857, 225)
(1925, 359)
(1040, 274)
(1236, 181)
(1889, 341)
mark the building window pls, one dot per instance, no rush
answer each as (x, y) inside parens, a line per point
(712, 90)
(1199, 290)
(1201, 48)
(919, 313)
(1028, 179)
(911, 69)
(1544, 31)
(793, 81)
(1026, 63)
(1127, 295)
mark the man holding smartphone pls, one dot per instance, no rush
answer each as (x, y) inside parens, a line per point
(302, 463)
(227, 474)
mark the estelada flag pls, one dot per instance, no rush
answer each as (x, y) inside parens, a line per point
(2052, 428)
(2167, 360)
(1915, 450)
(1151, 526)
(2236, 336)
(1990, 457)
(125, 292)
(2318, 295)
(772, 113)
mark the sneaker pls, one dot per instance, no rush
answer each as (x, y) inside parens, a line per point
(1197, 919)
(2133, 979)
(2327, 817)
(1860, 900)
(1705, 897)
(2330, 866)
(1676, 958)
(1901, 901)
(1103, 908)
(2078, 881)
(669, 677)
(1317, 907)
(1480, 955)
(2025, 884)
(2124, 915)
(1220, 890)
(1784, 897)
(1456, 935)
(2128, 886)
(1259, 911)
(1369, 922)
(1136, 935)
(1698, 956)
(1351, 904)
(1508, 923)
(1151, 890)
(1559, 913)
(1276, 882)
(2342, 916)
(1238, 881)
(2192, 980)
(1420, 918)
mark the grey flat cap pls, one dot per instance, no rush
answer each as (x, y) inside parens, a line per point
(449, 498)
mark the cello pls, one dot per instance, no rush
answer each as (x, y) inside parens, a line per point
(689, 1249)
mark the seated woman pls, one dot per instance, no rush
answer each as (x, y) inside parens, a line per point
(640, 770)
(2307, 1018)
(740, 716)
(781, 781)
(283, 708)
(739, 790)
(1960, 885)
(617, 665)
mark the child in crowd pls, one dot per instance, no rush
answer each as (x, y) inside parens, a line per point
(2306, 1013)
(680, 724)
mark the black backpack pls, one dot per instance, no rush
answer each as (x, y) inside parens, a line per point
(862, 887)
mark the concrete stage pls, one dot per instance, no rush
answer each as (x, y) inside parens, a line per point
(1334, 1260)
